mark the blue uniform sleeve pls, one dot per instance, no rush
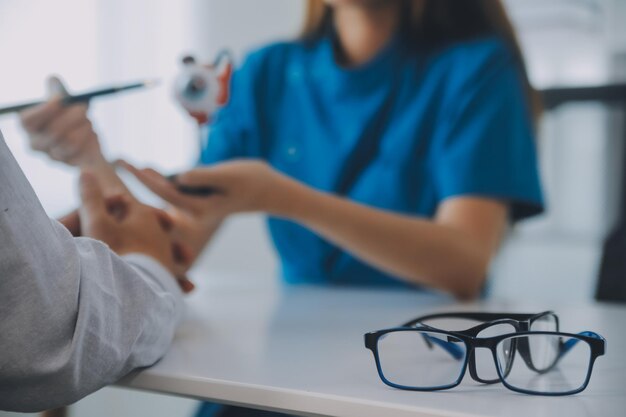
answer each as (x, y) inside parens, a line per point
(485, 145)
(231, 132)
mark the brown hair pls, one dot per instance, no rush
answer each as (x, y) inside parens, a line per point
(435, 23)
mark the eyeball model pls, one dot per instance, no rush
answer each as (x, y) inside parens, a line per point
(203, 89)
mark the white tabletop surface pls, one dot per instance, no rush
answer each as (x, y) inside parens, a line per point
(300, 350)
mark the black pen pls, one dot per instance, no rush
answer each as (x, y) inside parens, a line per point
(84, 97)
(193, 191)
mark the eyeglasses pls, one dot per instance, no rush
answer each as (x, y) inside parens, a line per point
(556, 363)
(480, 361)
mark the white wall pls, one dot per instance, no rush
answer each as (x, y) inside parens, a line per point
(32, 47)
(557, 255)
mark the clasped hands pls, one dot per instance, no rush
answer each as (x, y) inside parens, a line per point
(176, 236)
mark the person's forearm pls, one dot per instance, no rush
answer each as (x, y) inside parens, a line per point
(417, 250)
(97, 318)
(75, 316)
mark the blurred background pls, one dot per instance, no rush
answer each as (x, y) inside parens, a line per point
(553, 258)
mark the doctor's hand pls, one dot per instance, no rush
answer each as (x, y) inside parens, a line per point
(64, 133)
(128, 226)
(238, 186)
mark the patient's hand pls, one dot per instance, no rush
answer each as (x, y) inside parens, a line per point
(194, 227)
(71, 221)
(129, 226)
(195, 232)
(182, 235)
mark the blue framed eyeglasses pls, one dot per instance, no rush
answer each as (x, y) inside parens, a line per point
(423, 358)
(480, 362)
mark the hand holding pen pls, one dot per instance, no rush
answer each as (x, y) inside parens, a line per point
(60, 127)
(63, 132)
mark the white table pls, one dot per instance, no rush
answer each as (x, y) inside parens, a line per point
(300, 350)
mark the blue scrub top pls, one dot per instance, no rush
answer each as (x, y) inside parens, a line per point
(403, 133)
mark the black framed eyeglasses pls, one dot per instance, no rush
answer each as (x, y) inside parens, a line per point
(405, 361)
(480, 362)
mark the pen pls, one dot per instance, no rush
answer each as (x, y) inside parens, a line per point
(84, 97)
(193, 191)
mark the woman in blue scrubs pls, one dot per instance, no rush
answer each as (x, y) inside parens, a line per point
(391, 145)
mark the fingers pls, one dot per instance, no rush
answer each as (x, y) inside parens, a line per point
(64, 133)
(165, 220)
(72, 118)
(183, 258)
(80, 143)
(118, 206)
(185, 285)
(198, 177)
(159, 185)
(55, 87)
(93, 208)
(204, 182)
(183, 254)
(71, 221)
(128, 226)
(72, 144)
(35, 118)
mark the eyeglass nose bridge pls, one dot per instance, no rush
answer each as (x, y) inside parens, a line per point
(483, 343)
(473, 345)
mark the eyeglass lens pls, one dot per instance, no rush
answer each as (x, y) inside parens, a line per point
(554, 373)
(419, 359)
(542, 354)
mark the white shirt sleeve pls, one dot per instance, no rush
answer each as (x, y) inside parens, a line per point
(74, 316)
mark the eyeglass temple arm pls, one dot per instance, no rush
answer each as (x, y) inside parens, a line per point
(450, 347)
(454, 351)
(476, 315)
(567, 346)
